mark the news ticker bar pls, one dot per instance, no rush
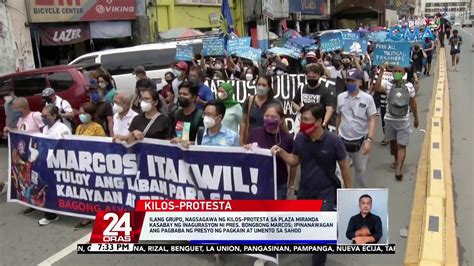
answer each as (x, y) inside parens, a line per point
(126, 248)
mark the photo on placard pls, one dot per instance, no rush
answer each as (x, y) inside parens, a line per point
(362, 216)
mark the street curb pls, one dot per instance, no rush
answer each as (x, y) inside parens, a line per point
(432, 238)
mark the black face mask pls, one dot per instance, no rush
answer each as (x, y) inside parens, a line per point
(183, 102)
(337, 65)
(313, 82)
(169, 81)
(47, 100)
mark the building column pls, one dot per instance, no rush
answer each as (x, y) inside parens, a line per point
(141, 25)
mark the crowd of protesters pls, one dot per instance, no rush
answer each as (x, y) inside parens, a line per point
(187, 112)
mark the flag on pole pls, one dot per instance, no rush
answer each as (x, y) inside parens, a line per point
(226, 16)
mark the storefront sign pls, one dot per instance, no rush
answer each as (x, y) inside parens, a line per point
(309, 7)
(54, 36)
(199, 2)
(80, 10)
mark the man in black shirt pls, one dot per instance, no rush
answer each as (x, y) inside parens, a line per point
(365, 227)
(316, 92)
(188, 118)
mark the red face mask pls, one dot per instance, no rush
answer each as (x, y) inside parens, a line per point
(307, 128)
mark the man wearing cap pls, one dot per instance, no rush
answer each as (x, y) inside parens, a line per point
(65, 108)
(356, 119)
(140, 74)
(180, 72)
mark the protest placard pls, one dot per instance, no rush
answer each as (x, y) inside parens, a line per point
(213, 46)
(395, 53)
(184, 53)
(238, 45)
(251, 53)
(354, 43)
(331, 42)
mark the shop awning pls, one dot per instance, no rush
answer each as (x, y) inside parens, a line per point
(110, 29)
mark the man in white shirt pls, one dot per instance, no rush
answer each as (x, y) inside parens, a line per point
(356, 120)
(65, 108)
(123, 115)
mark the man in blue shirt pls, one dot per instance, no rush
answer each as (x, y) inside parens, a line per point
(215, 134)
(205, 94)
(318, 151)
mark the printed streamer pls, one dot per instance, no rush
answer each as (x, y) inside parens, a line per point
(79, 176)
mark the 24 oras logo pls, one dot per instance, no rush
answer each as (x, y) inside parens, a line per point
(118, 228)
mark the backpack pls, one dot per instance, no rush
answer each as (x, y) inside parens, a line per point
(398, 101)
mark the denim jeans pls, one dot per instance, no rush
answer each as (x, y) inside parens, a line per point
(282, 191)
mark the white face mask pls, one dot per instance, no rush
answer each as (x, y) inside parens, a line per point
(327, 63)
(137, 77)
(8, 98)
(222, 95)
(117, 108)
(279, 72)
(248, 77)
(102, 85)
(262, 90)
(177, 73)
(145, 106)
(209, 122)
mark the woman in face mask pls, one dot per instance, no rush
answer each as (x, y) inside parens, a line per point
(106, 88)
(274, 132)
(167, 91)
(249, 74)
(88, 127)
(233, 112)
(254, 107)
(53, 128)
(151, 123)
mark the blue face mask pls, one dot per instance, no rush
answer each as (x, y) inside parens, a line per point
(95, 97)
(351, 87)
(17, 114)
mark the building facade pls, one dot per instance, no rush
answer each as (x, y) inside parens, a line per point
(16, 47)
(310, 15)
(61, 30)
(204, 15)
(454, 10)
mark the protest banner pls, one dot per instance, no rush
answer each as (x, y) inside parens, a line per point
(331, 42)
(213, 47)
(251, 53)
(354, 43)
(78, 176)
(285, 88)
(395, 53)
(238, 45)
(184, 53)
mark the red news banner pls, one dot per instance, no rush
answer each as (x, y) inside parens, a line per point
(237, 226)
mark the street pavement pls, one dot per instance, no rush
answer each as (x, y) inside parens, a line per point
(462, 97)
(23, 242)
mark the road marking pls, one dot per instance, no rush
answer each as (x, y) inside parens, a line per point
(66, 251)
